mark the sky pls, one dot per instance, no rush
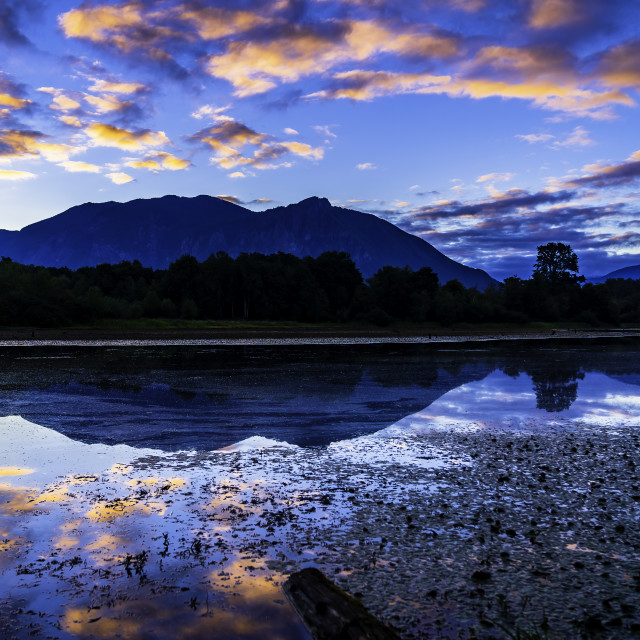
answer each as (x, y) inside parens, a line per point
(486, 127)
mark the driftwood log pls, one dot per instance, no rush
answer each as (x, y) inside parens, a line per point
(329, 613)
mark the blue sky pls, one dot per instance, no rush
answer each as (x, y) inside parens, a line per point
(486, 127)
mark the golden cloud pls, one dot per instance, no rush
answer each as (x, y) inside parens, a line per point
(366, 85)
(118, 177)
(16, 175)
(7, 100)
(151, 30)
(107, 103)
(60, 100)
(256, 67)
(126, 88)
(23, 144)
(106, 135)
(159, 162)
(72, 121)
(229, 138)
(10, 94)
(304, 150)
(74, 166)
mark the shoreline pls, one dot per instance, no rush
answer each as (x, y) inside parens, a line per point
(294, 335)
(460, 534)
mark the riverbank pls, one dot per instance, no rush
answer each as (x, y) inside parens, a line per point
(300, 335)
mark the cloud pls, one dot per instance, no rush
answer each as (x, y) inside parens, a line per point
(71, 121)
(229, 138)
(366, 166)
(550, 94)
(159, 162)
(620, 65)
(291, 132)
(533, 138)
(237, 174)
(577, 139)
(231, 199)
(302, 50)
(106, 135)
(495, 177)
(74, 166)
(15, 144)
(511, 202)
(548, 14)
(325, 130)
(609, 175)
(12, 94)
(123, 88)
(61, 100)
(16, 175)
(156, 32)
(209, 111)
(118, 177)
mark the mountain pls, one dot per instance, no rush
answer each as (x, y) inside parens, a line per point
(626, 272)
(158, 231)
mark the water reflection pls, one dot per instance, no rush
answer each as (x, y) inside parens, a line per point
(206, 398)
(522, 401)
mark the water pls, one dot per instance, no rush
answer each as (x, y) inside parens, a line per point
(205, 398)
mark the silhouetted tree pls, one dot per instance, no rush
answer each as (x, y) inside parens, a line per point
(556, 262)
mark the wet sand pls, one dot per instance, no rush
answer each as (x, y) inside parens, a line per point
(449, 533)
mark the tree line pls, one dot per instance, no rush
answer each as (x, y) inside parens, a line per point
(327, 288)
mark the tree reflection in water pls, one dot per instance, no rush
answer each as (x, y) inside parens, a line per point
(556, 389)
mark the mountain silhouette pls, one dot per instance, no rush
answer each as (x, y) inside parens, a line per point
(626, 272)
(157, 231)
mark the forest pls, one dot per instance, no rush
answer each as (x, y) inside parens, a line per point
(327, 288)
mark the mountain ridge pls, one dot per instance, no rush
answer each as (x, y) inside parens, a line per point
(632, 272)
(157, 231)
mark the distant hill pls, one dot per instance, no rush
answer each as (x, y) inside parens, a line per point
(158, 231)
(626, 272)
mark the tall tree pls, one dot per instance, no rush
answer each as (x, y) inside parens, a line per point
(556, 262)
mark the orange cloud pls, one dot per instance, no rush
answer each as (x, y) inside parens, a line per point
(213, 23)
(608, 175)
(620, 66)
(106, 135)
(547, 14)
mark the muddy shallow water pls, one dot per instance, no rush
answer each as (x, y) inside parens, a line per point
(458, 492)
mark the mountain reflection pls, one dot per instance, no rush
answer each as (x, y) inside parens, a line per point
(208, 397)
